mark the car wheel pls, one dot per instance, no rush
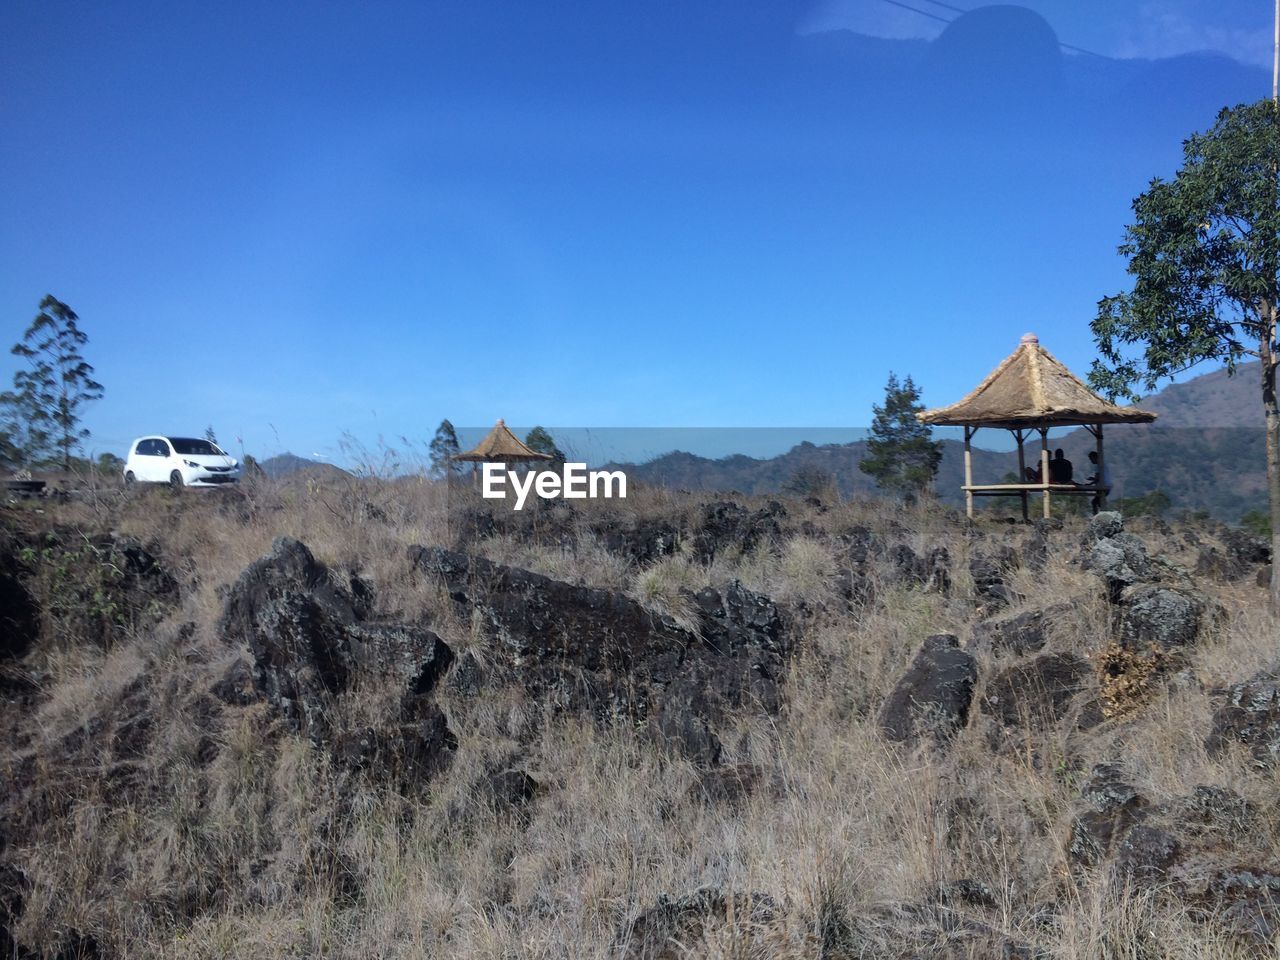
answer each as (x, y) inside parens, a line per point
(175, 480)
(130, 479)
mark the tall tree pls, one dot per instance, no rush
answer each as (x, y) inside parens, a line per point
(901, 454)
(539, 440)
(49, 396)
(210, 435)
(444, 447)
(1203, 250)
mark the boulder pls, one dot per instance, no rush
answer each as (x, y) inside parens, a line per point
(1146, 854)
(300, 627)
(1113, 807)
(933, 697)
(1238, 559)
(990, 573)
(726, 524)
(590, 650)
(1166, 618)
(1118, 558)
(1251, 716)
(1036, 693)
(932, 571)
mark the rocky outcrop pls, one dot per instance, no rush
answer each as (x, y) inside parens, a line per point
(1238, 559)
(591, 650)
(308, 645)
(932, 698)
(726, 524)
(1250, 716)
(990, 573)
(1118, 558)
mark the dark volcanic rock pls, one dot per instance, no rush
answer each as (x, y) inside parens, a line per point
(1114, 805)
(1146, 854)
(1119, 558)
(1038, 692)
(990, 573)
(585, 649)
(933, 697)
(407, 752)
(932, 572)
(727, 524)
(1251, 716)
(684, 721)
(307, 645)
(1239, 558)
(19, 616)
(236, 687)
(1162, 617)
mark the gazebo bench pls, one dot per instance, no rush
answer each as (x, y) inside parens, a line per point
(1016, 489)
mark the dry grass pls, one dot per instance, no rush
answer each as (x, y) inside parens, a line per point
(268, 851)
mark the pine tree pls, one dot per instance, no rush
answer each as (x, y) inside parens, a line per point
(47, 401)
(444, 447)
(901, 455)
(539, 440)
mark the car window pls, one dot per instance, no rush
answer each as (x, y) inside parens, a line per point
(162, 448)
(144, 448)
(191, 447)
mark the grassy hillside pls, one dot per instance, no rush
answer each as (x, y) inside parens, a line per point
(662, 727)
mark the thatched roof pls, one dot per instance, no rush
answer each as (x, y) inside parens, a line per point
(500, 446)
(1032, 389)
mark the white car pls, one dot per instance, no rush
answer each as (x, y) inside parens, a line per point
(179, 462)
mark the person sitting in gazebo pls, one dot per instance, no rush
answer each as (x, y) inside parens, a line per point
(1060, 469)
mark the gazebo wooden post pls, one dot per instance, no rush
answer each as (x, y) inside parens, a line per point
(1022, 470)
(1044, 467)
(1098, 473)
(968, 470)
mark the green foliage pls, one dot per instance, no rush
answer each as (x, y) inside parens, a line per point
(1153, 504)
(901, 456)
(83, 587)
(1258, 523)
(444, 447)
(1203, 250)
(540, 441)
(210, 435)
(43, 411)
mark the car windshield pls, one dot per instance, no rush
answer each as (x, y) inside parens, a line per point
(188, 447)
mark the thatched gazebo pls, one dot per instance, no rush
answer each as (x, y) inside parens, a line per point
(500, 445)
(1031, 391)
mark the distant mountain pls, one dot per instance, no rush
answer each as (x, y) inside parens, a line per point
(284, 465)
(1205, 451)
(1212, 400)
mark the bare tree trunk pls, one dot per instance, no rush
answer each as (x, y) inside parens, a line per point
(1272, 411)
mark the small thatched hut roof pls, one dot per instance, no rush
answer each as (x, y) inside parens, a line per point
(1032, 389)
(500, 445)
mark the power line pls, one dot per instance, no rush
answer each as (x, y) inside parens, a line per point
(954, 9)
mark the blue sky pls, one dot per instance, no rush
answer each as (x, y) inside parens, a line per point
(299, 221)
